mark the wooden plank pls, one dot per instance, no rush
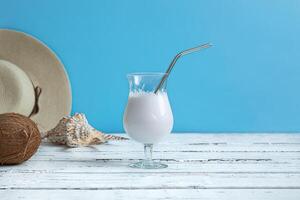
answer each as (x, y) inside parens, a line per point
(204, 142)
(183, 194)
(232, 138)
(169, 156)
(194, 147)
(108, 166)
(129, 150)
(136, 180)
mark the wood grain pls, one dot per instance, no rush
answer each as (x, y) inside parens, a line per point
(201, 166)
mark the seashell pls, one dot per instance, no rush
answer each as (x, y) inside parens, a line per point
(75, 131)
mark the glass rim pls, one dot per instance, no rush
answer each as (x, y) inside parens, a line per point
(146, 74)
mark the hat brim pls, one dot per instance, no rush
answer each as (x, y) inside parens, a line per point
(45, 70)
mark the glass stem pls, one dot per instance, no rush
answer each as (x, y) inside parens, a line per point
(148, 152)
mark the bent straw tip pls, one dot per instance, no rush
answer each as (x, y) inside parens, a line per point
(209, 44)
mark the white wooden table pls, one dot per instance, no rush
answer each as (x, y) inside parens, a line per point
(201, 166)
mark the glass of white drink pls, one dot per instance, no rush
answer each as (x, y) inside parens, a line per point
(148, 116)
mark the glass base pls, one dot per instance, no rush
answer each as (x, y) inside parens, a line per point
(148, 165)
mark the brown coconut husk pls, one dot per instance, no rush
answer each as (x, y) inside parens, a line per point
(19, 138)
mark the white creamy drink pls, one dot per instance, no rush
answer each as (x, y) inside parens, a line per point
(148, 116)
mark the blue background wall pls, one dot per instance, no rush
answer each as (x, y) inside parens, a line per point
(249, 81)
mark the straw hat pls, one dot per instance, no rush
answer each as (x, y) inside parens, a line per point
(33, 81)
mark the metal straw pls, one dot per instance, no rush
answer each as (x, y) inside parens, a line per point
(182, 53)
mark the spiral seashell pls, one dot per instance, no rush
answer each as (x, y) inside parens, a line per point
(75, 131)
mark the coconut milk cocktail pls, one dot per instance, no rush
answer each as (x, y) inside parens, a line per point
(148, 116)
